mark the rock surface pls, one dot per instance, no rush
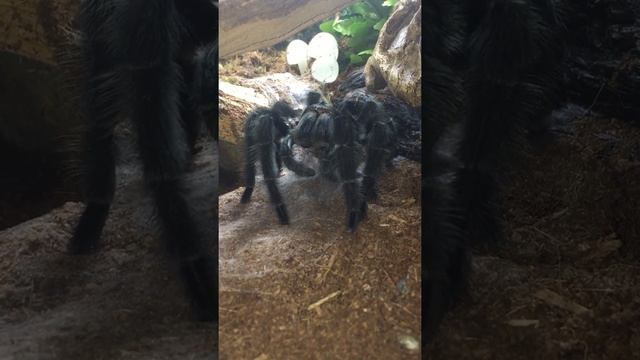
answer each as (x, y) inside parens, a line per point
(396, 61)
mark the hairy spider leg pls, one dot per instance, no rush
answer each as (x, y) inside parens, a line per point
(281, 110)
(323, 141)
(267, 153)
(250, 157)
(511, 63)
(286, 146)
(129, 49)
(380, 140)
(512, 45)
(101, 106)
(204, 85)
(151, 46)
(251, 140)
(263, 130)
(345, 152)
(189, 108)
(163, 142)
(445, 253)
(444, 249)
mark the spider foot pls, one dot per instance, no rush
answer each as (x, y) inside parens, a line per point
(83, 245)
(363, 210)
(86, 237)
(201, 280)
(281, 210)
(355, 217)
(370, 194)
(246, 195)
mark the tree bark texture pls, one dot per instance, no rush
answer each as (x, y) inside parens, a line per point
(255, 24)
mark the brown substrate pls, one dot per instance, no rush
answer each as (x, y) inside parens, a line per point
(253, 64)
(312, 290)
(564, 284)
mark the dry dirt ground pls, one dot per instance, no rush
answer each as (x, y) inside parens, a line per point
(312, 290)
(564, 284)
(122, 303)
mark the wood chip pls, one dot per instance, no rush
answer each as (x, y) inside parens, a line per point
(523, 322)
(393, 217)
(560, 301)
(322, 277)
(604, 248)
(409, 342)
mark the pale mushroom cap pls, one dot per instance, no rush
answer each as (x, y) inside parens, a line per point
(325, 70)
(323, 45)
(297, 52)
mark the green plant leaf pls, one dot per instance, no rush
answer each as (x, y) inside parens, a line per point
(356, 59)
(354, 26)
(327, 26)
(365, 10)
(364, 42)
(379, 24)
(357, 28)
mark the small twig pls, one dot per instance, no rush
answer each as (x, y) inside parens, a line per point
(596, 290)
(332, 260)
(404, 308)
(554, 240)
(323, 300)
(230, 290)
(226, 309)
(393, 217)
(595, 100)
(514, 310)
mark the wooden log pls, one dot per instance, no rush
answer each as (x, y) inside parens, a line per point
(251, 24)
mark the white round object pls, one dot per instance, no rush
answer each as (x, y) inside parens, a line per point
(296, 52)
(297, 55)
(323, 45)
(325, 70)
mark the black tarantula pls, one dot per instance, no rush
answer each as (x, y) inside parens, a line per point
(491, 69)
(342, 136)
(156, 62)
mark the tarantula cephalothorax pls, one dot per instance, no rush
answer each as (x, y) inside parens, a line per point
(340, 136)
(154, 61)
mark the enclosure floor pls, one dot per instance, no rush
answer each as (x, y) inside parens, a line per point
(565, 283)
(123, 303)
(312, 290)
